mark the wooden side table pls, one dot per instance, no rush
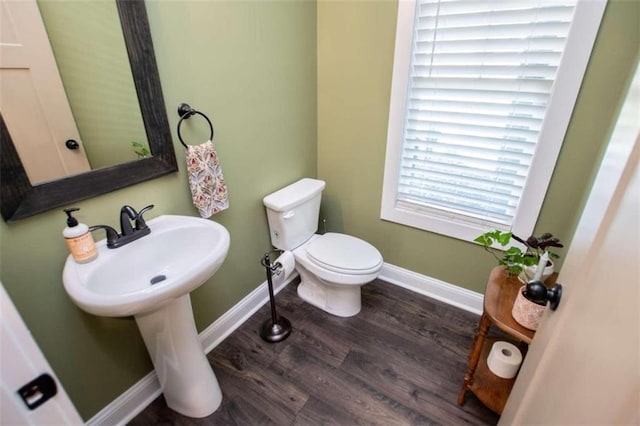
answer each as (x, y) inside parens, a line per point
(499, 296)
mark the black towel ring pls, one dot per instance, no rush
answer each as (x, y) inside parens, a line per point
(185, 111)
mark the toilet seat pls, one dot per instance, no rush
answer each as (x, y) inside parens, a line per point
(344, 254)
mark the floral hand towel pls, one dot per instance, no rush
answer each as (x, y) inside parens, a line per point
(208, 190)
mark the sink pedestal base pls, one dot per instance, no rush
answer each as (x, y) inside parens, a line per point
(189, 385)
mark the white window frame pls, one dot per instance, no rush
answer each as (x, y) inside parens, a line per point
(580, 40)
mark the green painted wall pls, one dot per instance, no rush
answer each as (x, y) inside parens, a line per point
(251, 67)
(355, 61)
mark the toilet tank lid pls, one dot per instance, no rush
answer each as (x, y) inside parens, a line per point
(292, 195)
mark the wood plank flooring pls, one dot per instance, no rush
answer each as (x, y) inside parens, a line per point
(400, 361)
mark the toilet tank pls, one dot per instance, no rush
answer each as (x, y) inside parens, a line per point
(293, 213)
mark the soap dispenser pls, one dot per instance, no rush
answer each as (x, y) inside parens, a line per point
(79, 239)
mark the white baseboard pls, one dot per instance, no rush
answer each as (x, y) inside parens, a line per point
(139, 396)
(126, 406)
(135, 399)
(434, 288)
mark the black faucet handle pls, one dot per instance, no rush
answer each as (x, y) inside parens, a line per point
(140, 223)
(112, 234)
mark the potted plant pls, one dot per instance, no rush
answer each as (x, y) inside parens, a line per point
(524, 264)
(519, 262)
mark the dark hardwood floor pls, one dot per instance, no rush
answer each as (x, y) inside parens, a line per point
(400, 361)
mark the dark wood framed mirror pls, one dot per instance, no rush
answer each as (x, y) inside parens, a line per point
(20, 199)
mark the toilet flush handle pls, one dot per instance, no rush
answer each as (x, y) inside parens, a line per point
(289, 214)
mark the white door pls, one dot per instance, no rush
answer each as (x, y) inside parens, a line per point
(33, 102)
(583, 366)
(21, 361)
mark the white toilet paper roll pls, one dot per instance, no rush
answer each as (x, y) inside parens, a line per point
(504, 360)
(288, 263)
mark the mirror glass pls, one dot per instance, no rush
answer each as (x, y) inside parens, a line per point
(89, 49)
(116, 100)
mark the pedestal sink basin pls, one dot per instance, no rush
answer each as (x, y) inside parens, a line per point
(151, 279)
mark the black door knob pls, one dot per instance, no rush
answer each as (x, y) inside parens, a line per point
(539, 293)
(71, 144)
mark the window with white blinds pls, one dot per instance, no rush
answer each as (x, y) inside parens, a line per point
(470, 113)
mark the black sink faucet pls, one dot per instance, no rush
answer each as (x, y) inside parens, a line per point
(127, 214)
(128, 233)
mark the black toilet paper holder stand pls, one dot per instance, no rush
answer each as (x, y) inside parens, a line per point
(276, 328)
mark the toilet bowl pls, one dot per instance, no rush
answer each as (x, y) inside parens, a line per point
(333, 267)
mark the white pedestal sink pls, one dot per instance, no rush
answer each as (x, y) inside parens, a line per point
(150, 279)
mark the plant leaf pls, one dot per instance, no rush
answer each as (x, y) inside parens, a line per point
(484, 240)
(513, 251)
(504, 238)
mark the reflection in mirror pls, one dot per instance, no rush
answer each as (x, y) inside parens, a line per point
(88, 96)
(90, 52)
(22, 199)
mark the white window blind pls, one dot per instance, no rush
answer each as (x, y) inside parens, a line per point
(480, 79)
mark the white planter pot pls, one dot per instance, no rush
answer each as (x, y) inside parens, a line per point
(529, 272)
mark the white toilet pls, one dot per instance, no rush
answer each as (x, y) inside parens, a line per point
(332, 266)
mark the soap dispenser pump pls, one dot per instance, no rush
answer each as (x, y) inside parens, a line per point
(79, 239)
